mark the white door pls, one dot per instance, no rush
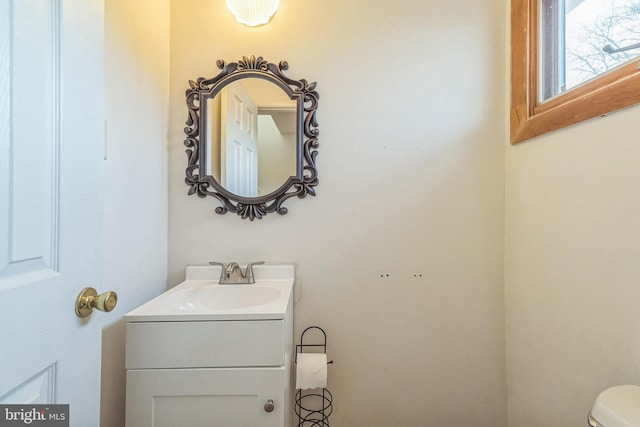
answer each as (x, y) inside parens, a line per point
(51, 153)
(239, 140)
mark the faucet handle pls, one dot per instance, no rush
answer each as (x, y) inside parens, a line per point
(223, 268)
(221, 264)
(249, 272)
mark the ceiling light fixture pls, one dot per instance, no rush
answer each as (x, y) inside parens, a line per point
(253, 12)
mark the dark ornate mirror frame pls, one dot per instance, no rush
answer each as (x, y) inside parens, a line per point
(300, 185)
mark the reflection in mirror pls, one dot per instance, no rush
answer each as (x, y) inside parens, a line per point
(251, 137)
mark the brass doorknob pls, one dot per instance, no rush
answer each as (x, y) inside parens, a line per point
(88, 299)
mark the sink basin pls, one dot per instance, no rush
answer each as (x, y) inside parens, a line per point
(201, 298)
(221, 297)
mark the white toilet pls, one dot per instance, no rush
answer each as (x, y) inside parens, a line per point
(617, 406)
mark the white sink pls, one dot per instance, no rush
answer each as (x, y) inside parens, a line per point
(221, 297)
(200, 297)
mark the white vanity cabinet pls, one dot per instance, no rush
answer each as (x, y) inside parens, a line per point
(229, 369)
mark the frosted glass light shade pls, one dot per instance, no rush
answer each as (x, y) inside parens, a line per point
(253, 12)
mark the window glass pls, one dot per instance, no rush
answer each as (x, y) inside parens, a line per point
(582, 39)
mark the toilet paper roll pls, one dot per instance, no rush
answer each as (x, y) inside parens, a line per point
(311, 370)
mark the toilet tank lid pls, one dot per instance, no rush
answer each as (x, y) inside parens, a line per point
(618, 406)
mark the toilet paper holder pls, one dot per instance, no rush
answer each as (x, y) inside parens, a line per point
(300, 347)
(313, 407)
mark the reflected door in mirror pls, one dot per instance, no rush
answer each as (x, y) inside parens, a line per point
(239, 153)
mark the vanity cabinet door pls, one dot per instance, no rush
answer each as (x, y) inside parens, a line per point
(206, 397)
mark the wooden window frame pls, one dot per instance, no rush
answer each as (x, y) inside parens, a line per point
(613, 90)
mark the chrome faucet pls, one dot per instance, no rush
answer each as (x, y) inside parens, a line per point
(231, 273)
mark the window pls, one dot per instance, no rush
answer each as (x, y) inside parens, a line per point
(571, 60)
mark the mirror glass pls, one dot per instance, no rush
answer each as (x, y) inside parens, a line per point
(250, 137)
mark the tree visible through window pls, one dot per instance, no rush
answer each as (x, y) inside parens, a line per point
(583, 39)
(600, 35)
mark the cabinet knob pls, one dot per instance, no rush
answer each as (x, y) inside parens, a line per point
(269, 406)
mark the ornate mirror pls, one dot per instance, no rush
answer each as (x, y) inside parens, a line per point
(251, 137)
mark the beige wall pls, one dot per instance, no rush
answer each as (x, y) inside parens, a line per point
(572, 268)
(411, 185)
(135, 184)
